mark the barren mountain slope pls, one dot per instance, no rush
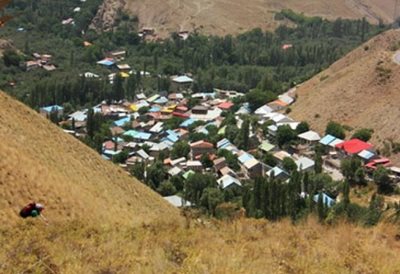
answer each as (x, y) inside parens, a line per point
(40, 162)
(223, 16)
(360, 90)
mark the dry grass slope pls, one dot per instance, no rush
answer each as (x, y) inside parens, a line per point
(102, 221)
(360, 90)
(40, 162)
(220, 17)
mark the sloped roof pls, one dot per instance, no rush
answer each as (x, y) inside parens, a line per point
(266, 146)
(227, 180)
(354, 146)
(304, 163)
(201, 144)
(327, 139)
(310, 135)
(177, 201)
(182, 79)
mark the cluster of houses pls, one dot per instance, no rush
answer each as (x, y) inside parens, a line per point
(40, 61)
(141, 128)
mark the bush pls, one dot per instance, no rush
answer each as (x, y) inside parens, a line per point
(335, 129)
(166, 188)
(11, 58)
(363, 134)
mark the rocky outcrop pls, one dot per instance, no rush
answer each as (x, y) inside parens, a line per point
(106, 15)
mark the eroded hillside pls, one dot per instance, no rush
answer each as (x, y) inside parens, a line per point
(361, 91)
(221, 17)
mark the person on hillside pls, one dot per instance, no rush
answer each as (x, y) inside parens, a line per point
(32, 210)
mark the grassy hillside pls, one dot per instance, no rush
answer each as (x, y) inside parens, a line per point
(102, 221)
(360, 90)
(40, 162)
(221, 17)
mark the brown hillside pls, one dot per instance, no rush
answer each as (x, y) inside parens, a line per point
(40, 162)
(222, 16)
(361, 91)
(102, 221)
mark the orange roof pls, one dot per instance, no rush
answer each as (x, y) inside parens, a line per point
(225, 105)
(167, 161)
(202, 144)
(280, 103)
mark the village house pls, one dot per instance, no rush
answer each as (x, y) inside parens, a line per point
(181, 83)
(117, 55)
(177, 201)
(353, 147)
(46, 111)
(278, 173)
(194, 165)
(201, 147)
(228, 182)
(219, 164)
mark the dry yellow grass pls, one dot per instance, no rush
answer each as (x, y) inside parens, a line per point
(102, 221)
(40, 162)
(230, 17)
(243, 246)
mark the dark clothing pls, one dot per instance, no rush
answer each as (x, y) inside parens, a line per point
(30, 211)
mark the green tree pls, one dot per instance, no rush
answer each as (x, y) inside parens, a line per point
(363, 134)
(289, 164)
(382, 179)
(242, 139)
(155, 174)
(166, 188)
(138, 170)
(11, 58)
(302, 127)
(321, 208)
(349, 168)
(285, 135)
(346, 194)
(180, 149)
(318, 163)
(196, 184)
(335, 129)
(257, 98)
(211, 198)
(118, 88)
(205, 161)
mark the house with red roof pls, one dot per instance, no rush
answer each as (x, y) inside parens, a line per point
(201, 147)
(353, 146)
(225, 105)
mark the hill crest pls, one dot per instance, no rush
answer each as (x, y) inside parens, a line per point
(221, 17)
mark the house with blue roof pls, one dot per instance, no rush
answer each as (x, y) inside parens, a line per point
(278, 173)
(245, 157)
(223, 143)
(327, 139)
(328, 201)
(187, 123)
(162, 100)
(108, 62)
(171, 136)
(45, 111)
(155, 109)
(122, 122)
(138, 135)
